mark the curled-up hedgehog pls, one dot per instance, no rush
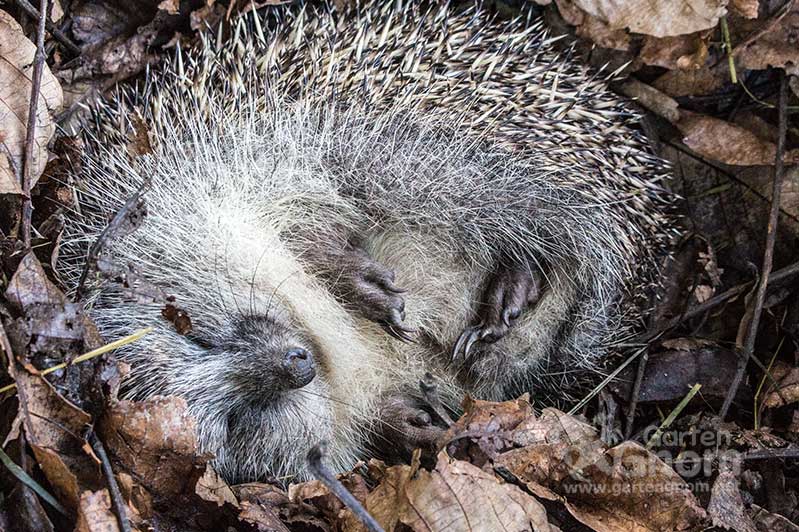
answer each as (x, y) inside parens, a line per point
(344, 202)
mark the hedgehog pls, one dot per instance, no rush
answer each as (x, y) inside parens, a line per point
(344, 200)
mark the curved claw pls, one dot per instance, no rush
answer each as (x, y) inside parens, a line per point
(391, 287)
(403, 334)
(509, 315)
(466, 340)
(395, 328)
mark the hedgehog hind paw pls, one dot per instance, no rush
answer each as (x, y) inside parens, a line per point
(509, 293)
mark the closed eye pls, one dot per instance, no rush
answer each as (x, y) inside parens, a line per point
(199, 340)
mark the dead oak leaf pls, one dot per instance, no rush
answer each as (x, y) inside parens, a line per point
(155, 440)
(722, 141)
(95, 514)
(788, 383)
(660, 19)
(622, 488)
(456, 495)
(16, 73)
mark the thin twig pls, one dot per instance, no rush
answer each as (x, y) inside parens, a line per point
(639, 379)
(327, 478)
(57, 34)
(30, 133)
(605, 381)
(768, 255)
(113, 488)
(766, 454)
(715, 301)
(765, 28)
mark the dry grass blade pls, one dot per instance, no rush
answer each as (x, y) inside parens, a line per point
(23, 477)
(91, 354)
(673, 415)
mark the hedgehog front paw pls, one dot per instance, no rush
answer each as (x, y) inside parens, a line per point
(510, 292)
(368, 287)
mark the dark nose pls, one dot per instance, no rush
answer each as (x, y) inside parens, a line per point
(299, 366)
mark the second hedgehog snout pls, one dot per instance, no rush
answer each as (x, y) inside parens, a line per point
(299, 367)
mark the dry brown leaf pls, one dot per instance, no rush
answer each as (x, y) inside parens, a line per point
(788, 381)
(55, 429)
(30, 286)
(261, 517)
(54, 325)
(778, 47)
(56, 12)
(685, 52)
(16, 73)
(726, 507)
(454, 496)
(268, 508)
(170, 6)
(700, 82)
(485, 429)
(745, 8)
(212, 488)
(94, 513)
(140, 140)
(766, 521)
(593, 29)
(155, 441)
(660, 19)
(722, 141)
(563, 459)
(622, 488)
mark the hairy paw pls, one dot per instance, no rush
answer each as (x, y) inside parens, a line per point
(368, 287)
(510, 292)
(406, 426)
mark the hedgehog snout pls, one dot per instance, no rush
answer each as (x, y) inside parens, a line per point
(300, 368)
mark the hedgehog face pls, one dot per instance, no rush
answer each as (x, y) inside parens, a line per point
(275, 405)
(269, 358)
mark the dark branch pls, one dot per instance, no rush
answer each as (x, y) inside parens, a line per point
(57, 34)
(768, 256)
(30, 133)
(321, 472)
(113, 488)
